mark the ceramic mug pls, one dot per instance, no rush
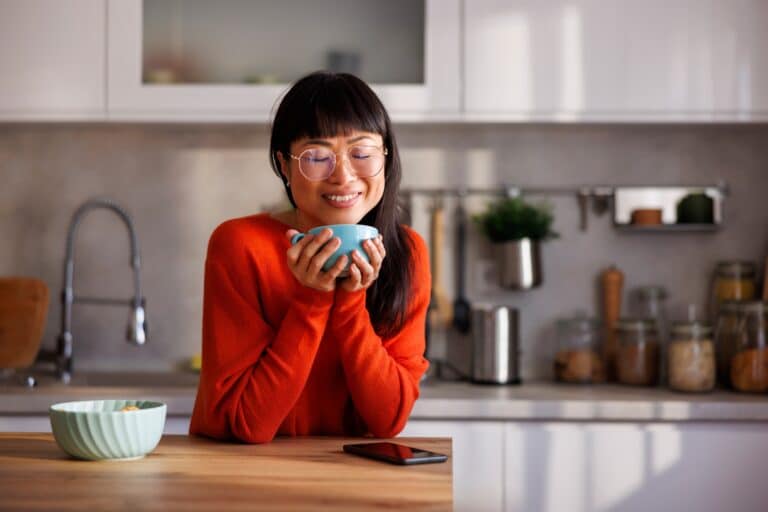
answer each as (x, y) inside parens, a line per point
(352, 237)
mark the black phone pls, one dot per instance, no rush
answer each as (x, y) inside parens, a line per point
(394, 453)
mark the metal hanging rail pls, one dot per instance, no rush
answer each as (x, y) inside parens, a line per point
(599, 195)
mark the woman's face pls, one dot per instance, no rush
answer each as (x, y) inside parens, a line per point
(343, 197)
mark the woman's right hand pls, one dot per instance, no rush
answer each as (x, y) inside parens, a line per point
(307, 257)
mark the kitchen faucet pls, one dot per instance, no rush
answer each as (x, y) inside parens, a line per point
(137, 328)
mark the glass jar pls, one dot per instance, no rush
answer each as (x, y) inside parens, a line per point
(650, 303)
(577, 358)
(691, 358)
(727, 338)
(733, 280)
(637, 361)
(749, 366)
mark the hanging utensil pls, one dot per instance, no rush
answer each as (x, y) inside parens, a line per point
(440, 305)
(406, 207)
(461, 307)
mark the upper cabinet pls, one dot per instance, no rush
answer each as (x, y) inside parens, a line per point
(52, 60)
(429, 60)
(232, 59)
(627, 61)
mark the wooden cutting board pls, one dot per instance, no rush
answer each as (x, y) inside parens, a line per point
(23, 311)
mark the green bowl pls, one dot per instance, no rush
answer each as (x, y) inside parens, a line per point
(99, 430)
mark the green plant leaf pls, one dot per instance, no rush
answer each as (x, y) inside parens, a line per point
(514, 219)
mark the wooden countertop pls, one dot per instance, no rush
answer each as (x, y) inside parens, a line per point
(190, 473)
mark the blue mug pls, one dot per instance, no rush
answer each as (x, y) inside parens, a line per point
(352, 237)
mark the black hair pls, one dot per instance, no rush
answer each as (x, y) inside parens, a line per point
(323, 105)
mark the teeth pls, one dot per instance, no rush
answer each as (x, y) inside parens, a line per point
(341, 199)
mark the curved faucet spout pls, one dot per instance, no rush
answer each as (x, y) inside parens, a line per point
(136, 331)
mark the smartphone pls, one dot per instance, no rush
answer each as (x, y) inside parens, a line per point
(394, 453)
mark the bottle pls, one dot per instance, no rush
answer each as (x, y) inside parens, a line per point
(577, 358)
(691, 356)
(749, 365)
(637, 361)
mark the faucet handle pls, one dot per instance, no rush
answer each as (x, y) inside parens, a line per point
(136, 332)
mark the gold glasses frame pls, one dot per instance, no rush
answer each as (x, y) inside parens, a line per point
(336, 154)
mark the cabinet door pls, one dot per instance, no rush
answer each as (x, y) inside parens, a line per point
(605, 467)
(231, 60)
(52, 59)
(477, 460)
(603, 60)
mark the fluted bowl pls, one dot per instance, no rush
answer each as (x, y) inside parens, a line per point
(99, 429)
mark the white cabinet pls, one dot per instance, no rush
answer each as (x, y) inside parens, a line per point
(52, 63)
(231, 60)
(635, 467)
(602, 60)
(478, 465)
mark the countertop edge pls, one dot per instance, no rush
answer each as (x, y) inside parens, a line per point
(466, 402)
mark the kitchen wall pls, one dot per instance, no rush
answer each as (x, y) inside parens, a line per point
(180, 181)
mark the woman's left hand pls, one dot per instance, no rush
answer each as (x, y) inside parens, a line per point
(362, 274)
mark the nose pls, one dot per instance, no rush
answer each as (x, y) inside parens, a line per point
(342, 172)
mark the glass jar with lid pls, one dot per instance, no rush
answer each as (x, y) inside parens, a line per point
(727, 338)
(691, 358)
(733, 280)
(749, 365)
(577, 357)
(637, 360)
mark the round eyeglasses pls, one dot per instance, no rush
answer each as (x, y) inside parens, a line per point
(317, 164)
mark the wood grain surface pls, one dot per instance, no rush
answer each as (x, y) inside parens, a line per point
(23, 311)
(191, 473)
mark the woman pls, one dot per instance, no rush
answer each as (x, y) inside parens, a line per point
(289, 349)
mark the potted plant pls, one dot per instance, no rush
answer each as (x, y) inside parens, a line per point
(516, 228)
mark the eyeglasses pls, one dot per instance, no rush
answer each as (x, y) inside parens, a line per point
(317, 164)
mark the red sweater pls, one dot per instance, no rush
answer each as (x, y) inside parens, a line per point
(280, 358)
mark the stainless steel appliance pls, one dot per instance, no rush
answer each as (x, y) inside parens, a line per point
(495, 346)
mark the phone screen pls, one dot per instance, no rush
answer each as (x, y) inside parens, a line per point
(395, 453)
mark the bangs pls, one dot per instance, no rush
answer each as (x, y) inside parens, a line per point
(337, 107)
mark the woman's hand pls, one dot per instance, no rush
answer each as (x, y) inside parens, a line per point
(307, 257)
(361, 273)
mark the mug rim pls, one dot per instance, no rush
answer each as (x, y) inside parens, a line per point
(331, 226)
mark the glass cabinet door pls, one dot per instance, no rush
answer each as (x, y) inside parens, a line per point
(232, 59)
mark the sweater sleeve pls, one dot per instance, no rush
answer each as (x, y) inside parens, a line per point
(383, 374)
(252, 373)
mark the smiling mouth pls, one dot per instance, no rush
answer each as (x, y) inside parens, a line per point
(342, 201)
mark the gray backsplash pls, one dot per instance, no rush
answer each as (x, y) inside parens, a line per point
(180, 181)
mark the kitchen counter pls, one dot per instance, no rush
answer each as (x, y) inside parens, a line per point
(538, 401)
(189, 473)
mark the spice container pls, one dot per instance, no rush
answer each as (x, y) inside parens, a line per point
(727, 338)
(638, 357)
(749, 366)
(577, 359)
(733, 280)
(691, 358)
